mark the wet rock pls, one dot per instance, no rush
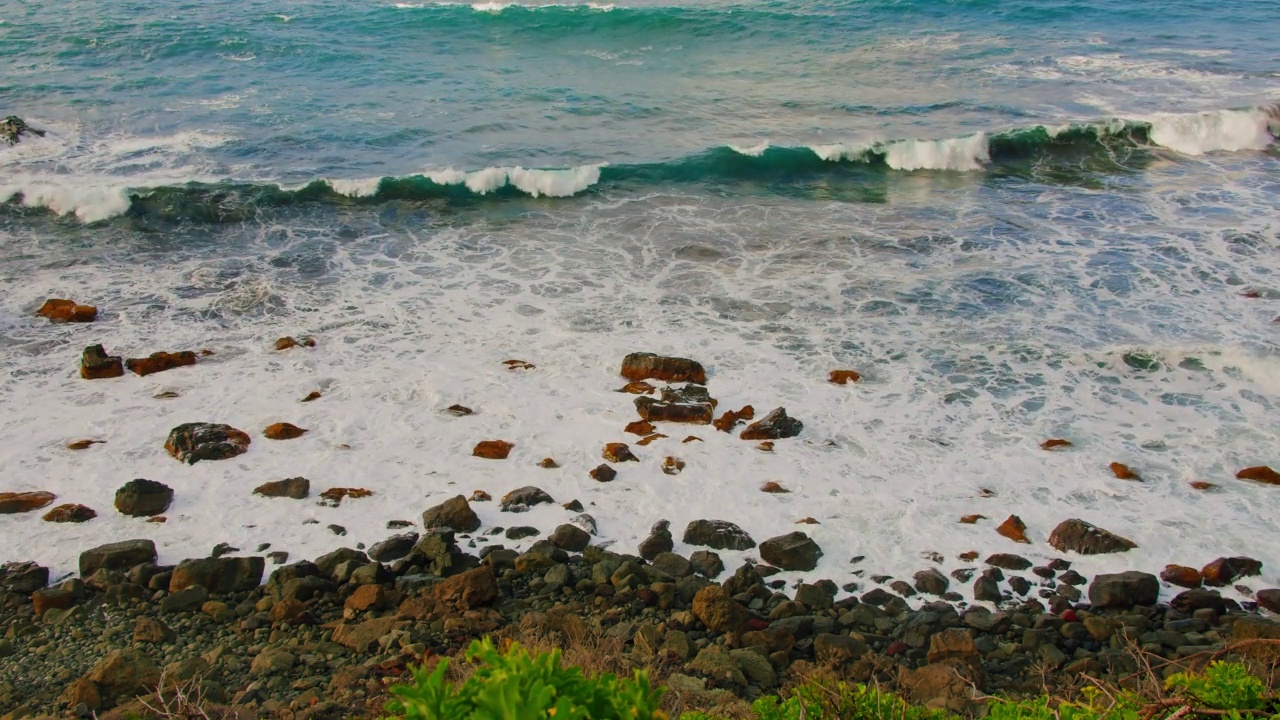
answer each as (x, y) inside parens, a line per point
(987, 587)
(793, 551)
(706, 563)
(931, 582)
(83, 444)
(1124, 472)
(218, 575)
(96, 364)
(1269, 600)
(570, 537)
(23, 578)
(718, 534)
(1225, 571)
(159, 362)
(119, 556)
(548, 463)
(295, 488)
(774, 426)
(672, 465)
(618, 452)
(1078, 536)
(682, 412)
(393, 548)
(521, 499)
(1007, 561)
(193, 442)
(644, 441)
(283, 431)
(312, 396)
(718, 611)
(1055, 443)
(645, 366)
(70, 513)
(640, 427)
(286, 343)
(1261, 473)
(773, 487)
(659, 541)
(143, 498)
(20, 502)
(1124, 590)
(12, 129)
(730, 419)
(1014, 529)
(334, 496)
(454, 513)
(459, 410)
(844, 377)
(521, 532)
(514, 364)
(603, 473)
(1181, 576)
(63, 311)
(492, 449)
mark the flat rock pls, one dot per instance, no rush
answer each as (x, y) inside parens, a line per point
(645, 366)
(193, 442)
(774, 426)
(119, 556)
(63, 311)
(793, 551)
(1078, 536)
(96, 364)
(454, 513)
(393, 548)
(23, 577)
(296, 488)
(159, 362)
(283, 431)
(12, 503)
(717, 534)
(1261, 473)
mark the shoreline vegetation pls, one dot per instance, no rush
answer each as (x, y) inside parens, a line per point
(346, 633)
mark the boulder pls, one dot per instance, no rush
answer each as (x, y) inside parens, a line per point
(844, 377)
(1269, 599)
(393, 548)
(717, 534)
(159, 362)
(1124, 590)
(603, 473)
(570, 537)
(706, 563)
(296, 488)
(123, 674)
(930, 582)
(283, 431)
(468, 590)
(645, 366)
(1225, 571)
(363, 637)
(1182, 576)
(62, 311)
(13, 128)
(774, 426)
(718, 611)
(119, 556)
(492, 449)
(454, 513)
(147, 631)
(219, 575)
(618, 452)
(1078, 536)
(521, 499)
(96, 364)
(658, 542)
(23, 578)
(1014, 529)
(193, 442)
(20, 502)
(1261, 473)
(793, 551)
(1008, 561)
(71, 513)
(640, 427)
(143, 498)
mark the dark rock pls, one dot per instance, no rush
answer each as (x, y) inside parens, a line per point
(793, 551)
(393, 548)
(706, 563)
(454, 513)
(219, 575)
(118, 556)
(718, 611)
(1078, 536)
(23, 578)
(520, 532)
(986, 588)
(678, 405)
(718, 534)
(13, 128)
(71, 513)
(1020, 585)
(193, 442)
(329, 563)
(603, 473)
(1225, 571)
(931, 582)
(1006, 561)
(1269, 599)
(296, 488)
(1124, 590)
(521, 499)
(658, 542)
(96, 364)
(570, 537)
(672, 565)
(337, 529)
(143, 498)
(774, 426)
(646, 366)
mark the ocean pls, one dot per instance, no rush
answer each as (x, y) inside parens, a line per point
(1018, 219)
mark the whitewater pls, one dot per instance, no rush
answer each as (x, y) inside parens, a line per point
(1016, 224)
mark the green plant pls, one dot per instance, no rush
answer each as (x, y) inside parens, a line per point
(515, 685)
(1222, 686)
(826, 700)
(1093, 707)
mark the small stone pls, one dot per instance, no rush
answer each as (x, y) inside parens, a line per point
(283, 431)
(1225, 571)
(296, 488)
(774, 426)
(334, 496)
(313, 395)
(1055, 443)
(459, 410)
(519, 365)
(286, 343)
(492, 449)
(807, 521)
(548, 463)
(1124, 472)
(70, 513)
(971, 519)
(1014, 529)
(96, 364)
(766, 446)
(672, 465)
(691, 438)
(844, 377)
(637, 388)
(618, 452)
(603, 473)
(1202, 485)
(480, 496)
(83, 444)
(773, 487)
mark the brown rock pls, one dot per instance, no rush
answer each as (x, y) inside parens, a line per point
(969, 556)
(283, 431)
(21, 502)
(718, 611)
(618, 452)
(83, 444)
(296, 488)
(363, 637)
(454, 513)
(493, 449)
(645, 366)
(61, 311)
(193, 442)
(288, 610)
(519, 365)
(1181, 576)
(123, 673)
(766, 446)
(469, 590)
(159, 362)
(1014, 529)
(459, 410)
(46, 599)
(640, 427)
(158, 519)
(672, 465)
(637, 388)
(1054, 443)
(730, 419)
(773, 487)
(1124, 472)
(285, 343)
(806, 521)
(333, 496)
(1076, 535)
(1225, 571)
(149, 630)
(1202, 485)
(844, 377)
(313, 395)
(548, 463)
(368, 597)
(71, 513)
(971, 519)
(659, 411)
(1261, 473)
(952, 644)
(774, 426)
(649, 438)
(480, 496)
(603, 473)
(96, 364)
(82, 691)
(691, 438)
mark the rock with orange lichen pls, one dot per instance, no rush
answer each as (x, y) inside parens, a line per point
(603, 473)
(21, 502)
(646, 366)
(1202, 485)
(1225, 571)
(333, 496)
(283, 431)
(691, 438)
(969, 556)
(519, 365)
(285, 343)
(774, 426)
(70, 513)
(1182, 576)
(1014, 529)
(83, 444)
(1055, 443)
(1261, 473)
(159, 362)
(193, 442)
(618, 452)
(971, 519)
(313, 395)
(96, 364)
(638, 388)
(844, 377)
(63, 311)
(650, 438)
(480, 496)
(1124, 472)
(773, 487)
(766, 446)
(492, 449)
(672, 465)
(730, 419)
(548, 463)
(640, 427)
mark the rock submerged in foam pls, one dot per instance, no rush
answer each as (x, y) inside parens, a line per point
(645, 366)
(96, 364)
(67, 311)
(193, 442)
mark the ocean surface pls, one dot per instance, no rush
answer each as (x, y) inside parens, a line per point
(1019, 219)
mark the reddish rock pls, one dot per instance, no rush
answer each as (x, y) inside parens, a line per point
(659, 411)
(21, 502)
(519, 365)
(1261, 473)
(70, 513)
(1054, 443)
(295, 488)
(480, 496)
(1014, 529)
(730, 419)
(368, 597)
(773, 487)
(1181, 576)
(766, 446)
(83, 444)
(1124, 472)
(465, 591)
(969, 556)
(640, 427)
(672, 465)
(159, 362)
(618, 452)
(96, 364)
(46, 599)
(971, 519)
(313, 395)
(1076, 535)
(1225, 571)
(774, 426)
(1202, 485)
(548, 463)
(650, 438)
(492, 449)
(603, 473)
(691, 438)
(193, 442)
(285, 343)
(459, 410)
(646, 366)
(719, 611)
(806, 521)
(637, 388)
(844, 377)
(158, 519)
(288, 610)
(283, 431)
(61, 311)
(333, 496)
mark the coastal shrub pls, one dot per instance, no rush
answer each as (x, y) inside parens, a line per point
(826, 700)
(1093, 706)
(512, 684)
(1222, 686)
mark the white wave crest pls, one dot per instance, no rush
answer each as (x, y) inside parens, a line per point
(356, 187)
(1200, 133)
(963, 154)
(751, 151)
(551, 183)
(836, 152)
